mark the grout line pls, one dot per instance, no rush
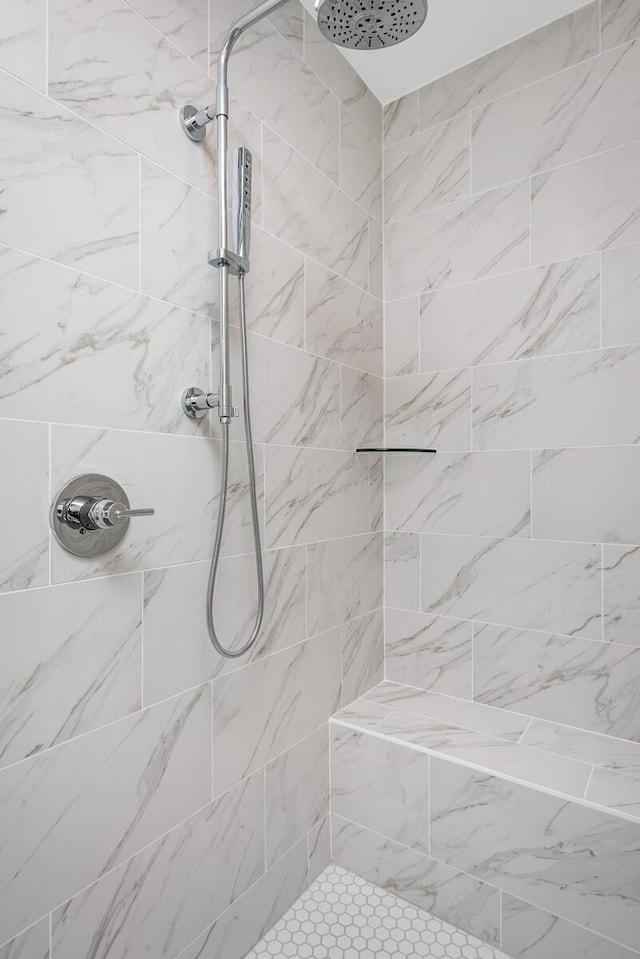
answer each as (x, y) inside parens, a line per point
(586, 788)
(602, 591)
(142, 617)
(500, 896)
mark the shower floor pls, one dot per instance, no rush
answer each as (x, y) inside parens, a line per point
(341, 916)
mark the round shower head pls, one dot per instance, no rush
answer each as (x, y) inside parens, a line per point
(370, 24)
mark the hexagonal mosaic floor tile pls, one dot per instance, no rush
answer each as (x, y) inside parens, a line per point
(341, 916)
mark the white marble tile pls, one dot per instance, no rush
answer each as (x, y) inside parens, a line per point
(400, 118)
(483, 494)
(620, 292)
(429, 652)
(314, 495)
(363, 662)
(70, 192)
(319, 848)
(532, 933)
(568, 116)
(360, 165)
(612, 789)
(557, 854)
(620, 22)
(178, 228)
(345, 579)
(402, 336)
(159, 901)
(427, 170)
(343, 322)
(429, 410)
(24, 546)
(614, 754)
(589, 205)
(291, 694)
(127, 79)
(402, 570)
(253, 913)
(547, 50)
(72, 662)
(554, 309)
(296, 793)
(304, 208)
(23, 42)
(376, 259)
(462, 241)
(376, 492)
(622, 594)
(579, 682)
(428, 884)
(64, 332)
(362, 714)
(185, 24)
(459, 712)
(32, 944)
(381, 785)
(516, 582)
(288, 21)
(174, 605)
(591, 495)
(362, 409)
(585, 399)
(74, 812)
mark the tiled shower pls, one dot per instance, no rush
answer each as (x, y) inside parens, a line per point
(445, 697)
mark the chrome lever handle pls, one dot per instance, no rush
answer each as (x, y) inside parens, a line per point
(105, 514)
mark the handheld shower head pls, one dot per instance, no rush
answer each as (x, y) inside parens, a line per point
(370, 24)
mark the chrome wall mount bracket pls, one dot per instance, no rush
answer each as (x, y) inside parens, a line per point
(190, 124)
(196, 404)
(91, 515)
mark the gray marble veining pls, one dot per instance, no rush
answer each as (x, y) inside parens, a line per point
(32, 944)
(429, 652)
(363, 662)
(620, 22)
(614, 754)
(347, 578)
(319, 848)
(362, 408)
(400, 118)
(401, 336)
(608, 788)
(360, 165)
(185, 25)
(429, 410)
(622, 594)
(402, 570)
(22, 42)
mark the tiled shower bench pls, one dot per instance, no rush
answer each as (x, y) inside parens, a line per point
(487, 819)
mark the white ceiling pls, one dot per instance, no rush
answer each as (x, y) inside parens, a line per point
(456, 32)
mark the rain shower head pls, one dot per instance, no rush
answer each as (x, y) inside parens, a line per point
(370, 24)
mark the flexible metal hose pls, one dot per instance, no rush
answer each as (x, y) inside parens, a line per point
(224, 485)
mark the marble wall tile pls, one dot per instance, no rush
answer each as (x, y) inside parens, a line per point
(431, 652)
(63, 332)
(32, 944)
(186, 25)
(376, 492)
(274, 293)
(223, 14)
(343, 322)
(381, 785)
(400, 118)
(532, 933)
(516, 582)
(319, 848)
(551, 48)
(467, 493)
(622, 594)
(402, 336)
(554, 309)
(24, 546)
(304, 208)
(362, 655)
(428, 884)
(584, 399)
(590, 495)
(612, 789)
(161, 899)
(72, 661)
(360, 165)
(362, 409)
(156, 470)
(178, 228)
(174, 601)
(462, 241)
(376, 258)
(566, 680)
(296, 793)
(565, 117)
(428, 410)
(614, 754)
(402, 570)
(70, 192)
(74, 812)
(252, 914)
(313, 495)
(131, 89)
(363, 713)
(427, 170)
(22, 42)
(620, 291)
(346, 579)
(620, 22)
(291, 694)
(589, 205)
(556, 854)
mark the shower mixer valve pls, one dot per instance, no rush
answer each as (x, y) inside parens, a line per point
(196, 404)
